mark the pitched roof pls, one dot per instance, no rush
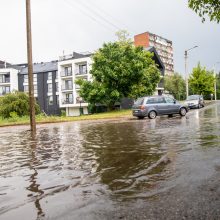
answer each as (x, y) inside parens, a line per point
(4, 64)
(41, 67)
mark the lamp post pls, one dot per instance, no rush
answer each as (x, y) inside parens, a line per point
(186, 71)
(215, 86)
(80, 105)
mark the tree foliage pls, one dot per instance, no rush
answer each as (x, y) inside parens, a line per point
(201, 81)
(120, 70)
(15, 103)
(176, 86)
(206, 7)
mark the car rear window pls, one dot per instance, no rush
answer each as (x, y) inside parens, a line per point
(139, 101)
(193, 97)
(155, 100)
(152, 100)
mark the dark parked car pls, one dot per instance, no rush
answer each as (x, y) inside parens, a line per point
(157, 105)
(195, 101)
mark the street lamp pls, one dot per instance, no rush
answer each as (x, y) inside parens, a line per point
(80, 105)
(186, 74)
(215, 86)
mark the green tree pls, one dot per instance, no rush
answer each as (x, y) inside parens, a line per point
(15, 103)
(176, 86)
(206, 7)
(202, 81)
(119, 70)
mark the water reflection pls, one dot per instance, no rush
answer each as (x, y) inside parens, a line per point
(34, 187)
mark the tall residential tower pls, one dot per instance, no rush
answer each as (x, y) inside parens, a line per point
(163, 46)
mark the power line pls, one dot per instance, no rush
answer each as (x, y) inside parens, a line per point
(88, 15)
(109, 15)
(98, 15)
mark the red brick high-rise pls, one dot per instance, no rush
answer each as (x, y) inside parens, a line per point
(163, 46)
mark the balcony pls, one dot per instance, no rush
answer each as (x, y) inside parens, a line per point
(4, 92)
(67, 101)
(66, 74)
(79, 72)
(66, 88)
(5, 79)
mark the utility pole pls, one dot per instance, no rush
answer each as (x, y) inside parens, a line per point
(186, 75)
(186, 71)
(30, 68)
(215, 83)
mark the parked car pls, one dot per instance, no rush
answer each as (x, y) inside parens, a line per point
(152, 106)
(195, 101)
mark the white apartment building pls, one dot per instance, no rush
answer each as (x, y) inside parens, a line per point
(70, 68)
(8, 79)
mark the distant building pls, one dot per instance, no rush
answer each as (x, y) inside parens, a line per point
(70, 68)
(45, 85)
(163, 47)
(8, 78)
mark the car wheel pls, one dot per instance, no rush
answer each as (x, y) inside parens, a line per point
(170, 115)
(152, 114)
(140, 117)
(182, 111)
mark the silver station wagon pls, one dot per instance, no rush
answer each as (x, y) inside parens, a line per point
(152, 106)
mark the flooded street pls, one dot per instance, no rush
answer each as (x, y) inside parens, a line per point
(168, 168)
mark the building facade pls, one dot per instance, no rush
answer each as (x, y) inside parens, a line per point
(8, 78)
(70, 68)
(45, 77)
(54, 82)
(163, 47)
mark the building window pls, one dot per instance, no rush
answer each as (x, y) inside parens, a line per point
(68, 98)
(7, 89)
(2, 78)
(5, 78)
(50, 100)
(35, 78)
(49, 76)
(57, 99)
(25, 78)
(68, 70)
(4, 90)
(82, 69)
(35, 89)
(25, 88)
(57, 87)
(68, 85)
(49, 88)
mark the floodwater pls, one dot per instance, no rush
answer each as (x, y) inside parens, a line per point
(97, 169)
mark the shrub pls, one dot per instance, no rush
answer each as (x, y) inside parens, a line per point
(16, 104)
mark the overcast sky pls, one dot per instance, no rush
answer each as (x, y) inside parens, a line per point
(84, 25)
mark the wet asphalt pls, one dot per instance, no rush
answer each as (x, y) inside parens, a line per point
(167, 168)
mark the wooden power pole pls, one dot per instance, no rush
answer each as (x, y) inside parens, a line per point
(30, 68)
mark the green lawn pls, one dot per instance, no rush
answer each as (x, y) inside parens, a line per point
(51, 119)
